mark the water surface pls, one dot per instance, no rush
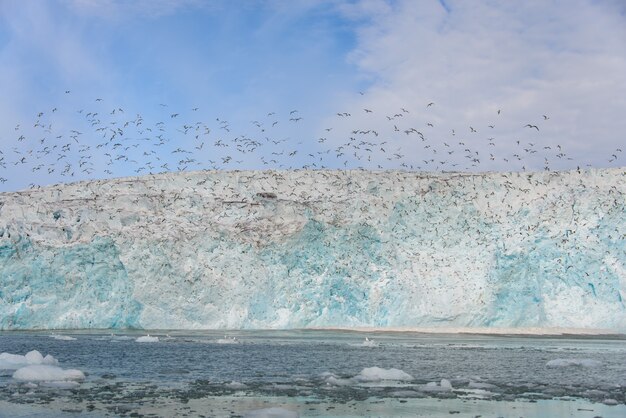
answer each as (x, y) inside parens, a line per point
(317, 373)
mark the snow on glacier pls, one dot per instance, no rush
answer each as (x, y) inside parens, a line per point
(267, 249)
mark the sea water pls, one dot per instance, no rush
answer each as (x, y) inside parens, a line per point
(314, 373)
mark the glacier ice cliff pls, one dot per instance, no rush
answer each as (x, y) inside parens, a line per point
(269, 249)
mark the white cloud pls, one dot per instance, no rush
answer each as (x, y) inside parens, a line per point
(563, 59)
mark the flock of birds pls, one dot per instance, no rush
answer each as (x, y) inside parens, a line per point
(113, 142)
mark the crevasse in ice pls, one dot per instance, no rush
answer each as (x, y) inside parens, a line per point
(266, 249)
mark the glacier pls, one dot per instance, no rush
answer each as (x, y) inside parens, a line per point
(292, 249)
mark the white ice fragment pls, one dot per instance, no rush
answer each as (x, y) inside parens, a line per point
(369, 343)
(42, 372)
(274, 412)
(235, 385)
(477, 393)
(63, 337)
(34, 357)
(444, 386)
(227, 340)
(568, 362)
(115, 338)
(373, 374)
(49, 360)
(147, 339)
(481, 385)
(335, 381)
(610, 402)
(10, 361)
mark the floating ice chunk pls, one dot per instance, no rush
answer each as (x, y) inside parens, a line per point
(335, 381)
(569, 362)
(373, 374)
(114, 337)
(443, 386)
(481, 385)
(34, 357)
(405, 394)
(595, 393)
(477, 393)
(10, 361)
(63, 337)
(445, 383)
(235, 385)
(147, 339)
(610, 402)
(369, 343)
(271, 413)
(227, 340)
(46, 373)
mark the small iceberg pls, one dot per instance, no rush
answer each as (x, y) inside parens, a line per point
(147, 339)
(10, 361)
(235, 385)
(227, 340)
(443, 386)
(375, 374)
(369, 343)
(47, 373)
(570, 362)
(481, 385)
(62, 337)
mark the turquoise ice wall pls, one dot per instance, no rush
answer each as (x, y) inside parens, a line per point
(317, 248)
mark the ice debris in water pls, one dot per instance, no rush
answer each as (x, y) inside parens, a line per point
(147, 339)
(274, 412)
(373, 374)
(227, 340)
(443, 386)
(569, 362)
(333, 380)
(46, 373)
(235, 385)
(369, 343)
(369, 374)
(62, 337)
(481, 385)
(10, 361)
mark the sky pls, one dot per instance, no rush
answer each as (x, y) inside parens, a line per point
(94, 89)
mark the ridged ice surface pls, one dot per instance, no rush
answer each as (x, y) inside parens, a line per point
(317, 248)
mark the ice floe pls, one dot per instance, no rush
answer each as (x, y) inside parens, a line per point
(10, 361)
(443, 386)
(373, 374)
(46, 373)
(147, 339)
(62, 337)
(228, 340)
(570, 362)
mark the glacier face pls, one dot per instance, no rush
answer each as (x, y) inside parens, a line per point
(272, 249)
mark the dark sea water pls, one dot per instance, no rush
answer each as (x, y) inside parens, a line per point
(320, 373)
